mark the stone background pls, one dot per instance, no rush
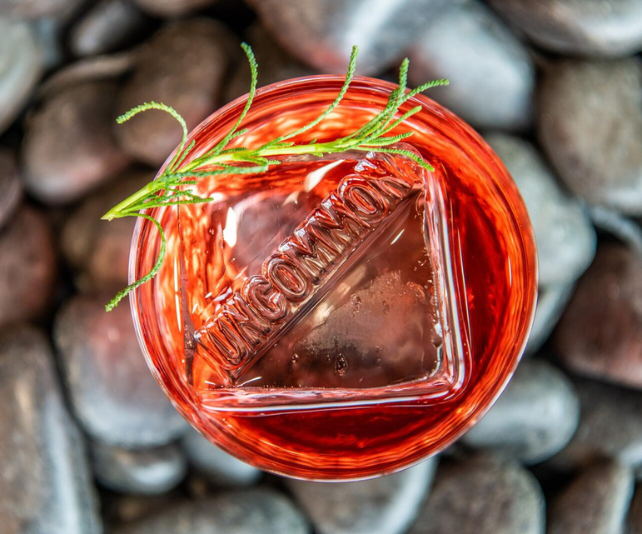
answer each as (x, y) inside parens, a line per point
(88, 443)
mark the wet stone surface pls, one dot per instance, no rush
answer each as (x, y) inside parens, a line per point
(45, 485)
(385, 505)
(595, 502)
(600, 334)
(322, 33)
(27, 267)
(491, 75)
(218, 467)
(248, 512)
(21, 64)
(590, 125)
(144, 472)
(535, 417)
(482, 495)
(191, 87)
(68, 148)
(582, 27)
(112, 391)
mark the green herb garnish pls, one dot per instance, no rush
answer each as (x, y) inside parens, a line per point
(167, 190)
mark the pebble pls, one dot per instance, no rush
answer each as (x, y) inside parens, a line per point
(564, 235)
(385, 505)
(534, 418)
(590, 125)
(144, 472)
(610, 427)
(219, 467)
(595, 502)
(112, 391)
(578, 27)
(98, 250)
(10, 186)
(322, 34)
(21, 67)
(600, 334)
(107, 26)
(27, 267)
(274, 63)
(173, 8)
(551, 303)
(196, 54)
(68, 148)
(482, 495)
(248, 512)
(28, 9)
(45, 484)
(492, 76)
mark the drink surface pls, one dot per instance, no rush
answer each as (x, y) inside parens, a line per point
(341, 317)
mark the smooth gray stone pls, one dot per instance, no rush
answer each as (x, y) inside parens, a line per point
(97, 250)
(600, 333)
(482, 495)
(196, 56)
(610, 427)
(590, 125)
(105, 27)
(492, 77)
(584, 27)
(173, 8)
(112, 391)
(321, 34)
(534, 418)
(385, 505)
(626, 230)
(551, 303)
(10, 186)
(28, 266)
(68, 148)
(595, 502)
(218, 466)
(20, 68)
(45, 485)
(144, 472)
(564, 235)
(28, 9)
(247, 512)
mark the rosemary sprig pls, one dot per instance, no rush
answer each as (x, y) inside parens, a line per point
(169, 189)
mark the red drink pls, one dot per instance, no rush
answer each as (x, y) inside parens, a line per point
(343, 317)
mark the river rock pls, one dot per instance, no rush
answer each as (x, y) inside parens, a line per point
(590, 124)
(275, 64)
(600, 334)
(111, 389)
(564, 235)
(595, 502)
(99, 250)
(385, 505)
(10, 186)
(482, 495)
(610, 427)
(108, 25)
(173, 8)
(635, 513)
(68, 147)
(247, 512)
(534, 418)
(27, 266)
(144, 472)
(196, 54)
(492, 77)
(584, 27)
(215, 464)
(551, 303)
(26, 9)
(322, 34)
(21, 67)
(45, 485)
